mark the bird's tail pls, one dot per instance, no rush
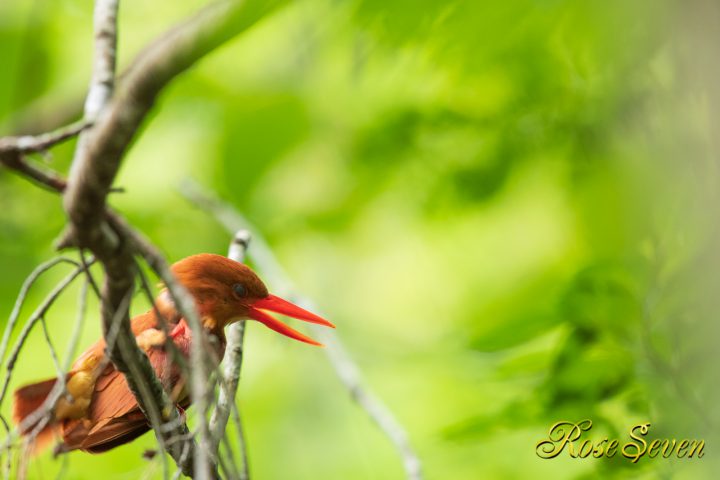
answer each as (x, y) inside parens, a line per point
(28, 400)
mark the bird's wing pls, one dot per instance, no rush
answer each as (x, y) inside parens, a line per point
(112, 396)
(92, 357)
(77, 435)
(114, 416)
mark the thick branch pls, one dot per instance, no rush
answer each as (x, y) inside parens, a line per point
(97, 163)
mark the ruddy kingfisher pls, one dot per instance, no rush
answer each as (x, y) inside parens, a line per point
(101, 412)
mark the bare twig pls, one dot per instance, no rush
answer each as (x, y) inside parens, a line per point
(29, 281)
(79, 322)
(234, 472)
(53, 354)
(63, 467)
(8, 451)
(245, 473)
(34, 318)
(13, 150)
(42, 177)
(233, 365)
(39, 314)
(102, 82)
(159, 416)
(88, 274)
(42, 142)
(345, 368)
(44, 414)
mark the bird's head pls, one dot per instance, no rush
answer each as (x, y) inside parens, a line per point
(226, 291)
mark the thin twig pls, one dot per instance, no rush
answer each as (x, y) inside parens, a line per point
(20, 299)
(88, 274)
(102, 81)
(63, 467)
(37, 315)
(233, 365)
(13, 149)
(44, 414)
(77, 328)
(60, 388)
(8, 451)
(42, 142)
(245, 472)
(53, 353)
(234, 472)
(38, 419)
(345, 368)
(44, 178)
(175, 355)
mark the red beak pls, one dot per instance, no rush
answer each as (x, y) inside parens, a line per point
(278, 305)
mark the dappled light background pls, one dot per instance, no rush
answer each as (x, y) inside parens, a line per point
(508, 209)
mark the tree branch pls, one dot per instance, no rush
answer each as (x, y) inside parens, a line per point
(42, 142)
(97, 163)
(20, 300)
(233, 365)
(15, 161)
(102, 82)
(38, 314)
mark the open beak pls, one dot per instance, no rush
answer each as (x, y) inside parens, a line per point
(278, 305)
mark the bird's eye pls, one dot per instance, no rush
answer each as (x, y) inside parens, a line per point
(239, 289)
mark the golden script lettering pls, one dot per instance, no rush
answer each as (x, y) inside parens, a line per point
(566, 435)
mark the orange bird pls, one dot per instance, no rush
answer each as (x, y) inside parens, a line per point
(103, 412)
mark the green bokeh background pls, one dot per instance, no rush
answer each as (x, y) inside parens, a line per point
(509, 209)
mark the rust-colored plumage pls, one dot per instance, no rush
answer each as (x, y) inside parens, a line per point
(103, 412)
